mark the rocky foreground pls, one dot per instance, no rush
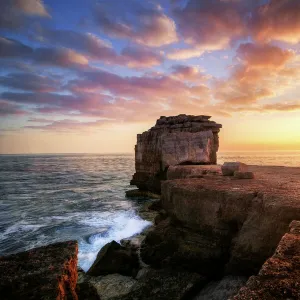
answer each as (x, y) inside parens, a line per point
(211, 233)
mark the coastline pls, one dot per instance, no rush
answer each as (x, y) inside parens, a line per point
(273, 197)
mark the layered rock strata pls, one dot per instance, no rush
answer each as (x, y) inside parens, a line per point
(48, 272)
(177, 140)
(218, 224)
(279, 277)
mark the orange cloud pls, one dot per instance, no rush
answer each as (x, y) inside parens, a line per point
(277, 20)
(181, 54)
(262, 71)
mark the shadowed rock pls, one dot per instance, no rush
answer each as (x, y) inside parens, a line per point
(113, 258)
(48, 272)
(279, 275)
(220, 224)
(163, 285)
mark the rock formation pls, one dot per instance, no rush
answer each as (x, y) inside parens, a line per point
(178, 140)
(218, 224)
(279, 275)
(48, 272)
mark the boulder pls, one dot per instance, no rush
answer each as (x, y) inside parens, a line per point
(111, 286)
(87, 291)
(113, 258)
(173, 141)
(279, 275)
(222, 289)
(164, 285)
(48, 272)
(243, 175)
(228, 168)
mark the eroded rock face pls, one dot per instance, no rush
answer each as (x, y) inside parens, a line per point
(279, 275)
(220, 224)
(182, 139)
(48, 272)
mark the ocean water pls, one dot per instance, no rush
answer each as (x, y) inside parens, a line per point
(50, 198)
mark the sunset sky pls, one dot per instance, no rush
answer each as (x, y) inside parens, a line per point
(87, 76)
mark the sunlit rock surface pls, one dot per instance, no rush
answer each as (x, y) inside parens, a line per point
(48, 272)
(182, 139)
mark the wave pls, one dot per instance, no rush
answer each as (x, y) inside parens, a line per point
(121, 225)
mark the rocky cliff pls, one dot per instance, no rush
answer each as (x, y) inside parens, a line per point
(279, 275)
(177, 140)
(219, 224)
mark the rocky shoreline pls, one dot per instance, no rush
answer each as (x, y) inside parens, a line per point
(207, 228)
(213, 228)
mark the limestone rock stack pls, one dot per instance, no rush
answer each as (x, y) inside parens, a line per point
(177, 140)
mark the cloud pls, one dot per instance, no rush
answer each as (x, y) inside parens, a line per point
(277, 20)
(135, 86)
(61, 57)
(40, 120)
(96, 49)
(13, 48)
(51, 103)
(29, 82)
(8, 109)
(211, 25)
(181, 54)
(266, 56)
(14, 13)
(189, 73)
(262, 71)
(67, 125)
(137, 57)
(131, 20)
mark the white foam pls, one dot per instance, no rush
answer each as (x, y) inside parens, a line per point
(121, 225)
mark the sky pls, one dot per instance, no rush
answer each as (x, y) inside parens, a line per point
(88, 76)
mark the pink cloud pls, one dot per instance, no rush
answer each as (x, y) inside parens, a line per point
(182, 54)
(190, 73)
(262, 71)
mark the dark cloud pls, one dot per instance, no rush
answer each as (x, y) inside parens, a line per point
(30, 82)
(137, 21)
(8, 109)
(13, 48)
(14, 14)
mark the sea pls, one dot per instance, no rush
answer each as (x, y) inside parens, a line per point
(50, 198)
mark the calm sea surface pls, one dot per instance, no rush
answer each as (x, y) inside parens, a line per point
(50, 198)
